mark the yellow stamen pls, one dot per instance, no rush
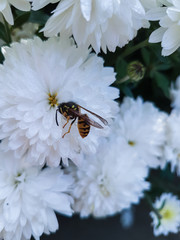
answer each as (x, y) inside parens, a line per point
(53, 101)
(131, 143)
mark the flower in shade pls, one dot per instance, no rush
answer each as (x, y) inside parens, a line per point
(101, 24)
(141, 127)
(5, 8)
(166, 217)
(175, 94)
(29, 196)
(36, 76)
(172, 146)
(109, 181)
(169, 32)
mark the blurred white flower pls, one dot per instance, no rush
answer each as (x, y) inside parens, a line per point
(175, 94)
(38, 75)
(172, 146)
(5, 8)
(28, 198)
(166, 219)
(141, 127)
(109, 181)
(101, 24)
(169, 32)
(127, 218)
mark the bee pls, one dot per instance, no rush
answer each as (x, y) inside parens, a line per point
(72, 111)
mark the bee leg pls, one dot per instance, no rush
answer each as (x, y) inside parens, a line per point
(69, 128)
(56, 117)
(67, 121)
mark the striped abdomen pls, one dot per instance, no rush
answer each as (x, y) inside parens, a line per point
(83, 127)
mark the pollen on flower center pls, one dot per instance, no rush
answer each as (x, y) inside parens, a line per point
(103, 190)
(19, 179)
(167, 214)
(131, 143)
(53, 101)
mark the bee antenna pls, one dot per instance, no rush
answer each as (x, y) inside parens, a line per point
(56, 117)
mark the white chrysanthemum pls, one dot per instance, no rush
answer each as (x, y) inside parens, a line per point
(101, 24)
(141, 127)
(5, 8)
(38, 75)
(109, 181)
(169, 32)
(150, 4)
(172, 146)
(167, 217)
(28, 198)
(175, 94)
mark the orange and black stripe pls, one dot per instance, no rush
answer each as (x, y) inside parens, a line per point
(83, 127)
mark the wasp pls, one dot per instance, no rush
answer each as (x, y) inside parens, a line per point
(72, 111)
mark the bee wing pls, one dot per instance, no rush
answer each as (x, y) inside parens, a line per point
(89, 121)
(86, 118)
(100, 118)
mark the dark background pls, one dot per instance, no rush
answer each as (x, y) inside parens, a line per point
(109, 228)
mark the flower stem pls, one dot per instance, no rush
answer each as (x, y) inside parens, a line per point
(131, 50)
(149, 201)
(122, 80)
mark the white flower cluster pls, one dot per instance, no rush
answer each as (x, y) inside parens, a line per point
(169, 32)
(166, 213)
(57, 104)
(172, 146)
(29, 196)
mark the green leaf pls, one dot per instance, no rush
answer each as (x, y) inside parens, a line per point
(121, 67)
(164, 66)
(3, 34)
(146, 56)
(38, 17)
(126, 90)
(21, 18)
(162, 82)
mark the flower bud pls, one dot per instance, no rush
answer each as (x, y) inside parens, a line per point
(136, 71)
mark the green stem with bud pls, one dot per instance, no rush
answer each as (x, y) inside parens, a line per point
(131, 50)
(122, 80)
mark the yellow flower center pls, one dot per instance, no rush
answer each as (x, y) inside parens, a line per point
(131, 143)
(53, 101)
(167, 214)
